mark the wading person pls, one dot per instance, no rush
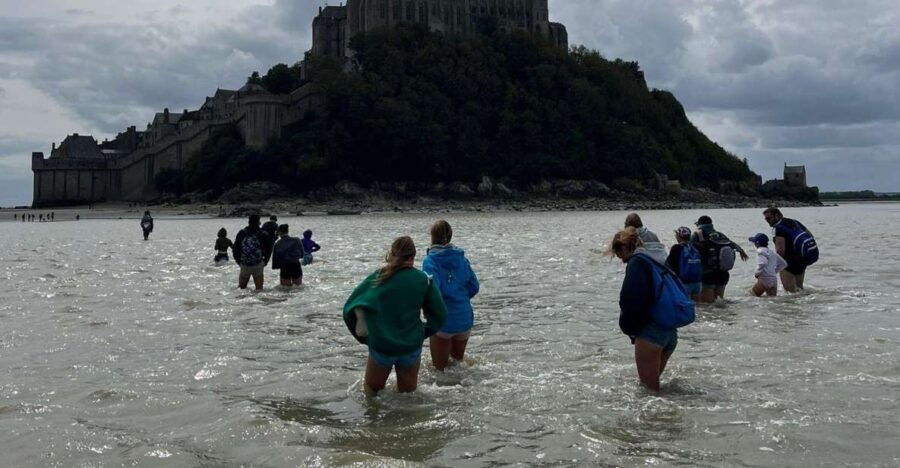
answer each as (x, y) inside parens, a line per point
(451, 272)
(768, 265)
(309, 246)
(286, 256)
(384, 312)
(271, 227)
(147, 225)
(252, 247)
(795, 244)
(652, 245)
(717, 253)
(684, 259)
(653, 303)
(223, 243)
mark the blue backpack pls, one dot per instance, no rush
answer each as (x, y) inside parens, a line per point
(803, 243)
(673, 307)
(690, 265)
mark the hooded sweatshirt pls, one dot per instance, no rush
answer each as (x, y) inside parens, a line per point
(652, 246)
(392, 311)
(451, 271)
(287, 250)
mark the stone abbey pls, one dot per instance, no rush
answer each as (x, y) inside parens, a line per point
(83, 170)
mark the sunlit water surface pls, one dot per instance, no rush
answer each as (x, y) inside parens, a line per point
(116, 351)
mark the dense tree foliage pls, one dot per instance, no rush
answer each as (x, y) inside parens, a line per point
(426, 107)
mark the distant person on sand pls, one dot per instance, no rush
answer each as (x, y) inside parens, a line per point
(651, 242)
(52, 216)
(286, 256)
(385, 313)
(15, 216)
(147, 224)
(271, 227)
(252, 248)
(653, 304)
(41, 218)
(309, 246)
(768, 265)
(451, 272)
(223, 243)
(796, 244)
(684, 259)
(718, 254)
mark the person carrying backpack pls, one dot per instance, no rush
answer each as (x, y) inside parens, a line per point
(653, 303)
(796, 244)
(684, 259)
(717, 253)
(147, 224)
(252, 248)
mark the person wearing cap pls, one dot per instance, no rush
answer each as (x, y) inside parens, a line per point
(714, 280)
(252, 248)
(785, 233)
(768, 265)
(271, 227)
(651, 244)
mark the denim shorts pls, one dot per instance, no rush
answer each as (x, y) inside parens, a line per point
(693, 288)
(666, 338)
(407, 360)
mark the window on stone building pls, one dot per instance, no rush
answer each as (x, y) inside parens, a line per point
(398, 11)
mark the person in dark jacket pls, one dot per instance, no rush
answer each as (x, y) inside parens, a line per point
(271, 227)
(252, 249)
(784, 229)
(147, 224)
(714, 281)
(309, 246)
(223, 243)
(450, 270)
(286, 256)
(653, 345)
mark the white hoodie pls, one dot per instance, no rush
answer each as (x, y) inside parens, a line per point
(652, 246)
(768, 263)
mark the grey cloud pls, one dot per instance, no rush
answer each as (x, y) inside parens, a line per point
(78, 12)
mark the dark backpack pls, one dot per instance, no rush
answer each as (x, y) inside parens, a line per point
(251, 250)
(803, 243)
(673, 307)
(717, 252)
(690, 265)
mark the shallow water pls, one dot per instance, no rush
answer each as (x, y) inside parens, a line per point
(118, 351)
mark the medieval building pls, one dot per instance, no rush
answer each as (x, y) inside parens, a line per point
(82, 170)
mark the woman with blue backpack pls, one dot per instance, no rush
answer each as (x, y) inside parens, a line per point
(653, 303)
(684, 259)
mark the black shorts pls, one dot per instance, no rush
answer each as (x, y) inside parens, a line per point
(715, 278)
(795, 266)
(221, 258)
(292, 271)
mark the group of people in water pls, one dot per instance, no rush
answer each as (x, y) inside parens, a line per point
(658, 294)
(659, 291)
(31, 217)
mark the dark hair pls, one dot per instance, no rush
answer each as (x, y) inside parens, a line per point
(283, 229)
(223, 232)
(633, 220)
(773, 211)
(273, 218)
(704, 220)
(402, 251)
(146, 213)
(307, 233)
(441, 233)
(253, 220)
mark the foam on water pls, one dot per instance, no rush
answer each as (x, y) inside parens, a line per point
(120, 351)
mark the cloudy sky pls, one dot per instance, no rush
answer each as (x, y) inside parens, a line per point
(810, 82)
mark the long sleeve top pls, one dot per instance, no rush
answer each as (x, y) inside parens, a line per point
(636, 297)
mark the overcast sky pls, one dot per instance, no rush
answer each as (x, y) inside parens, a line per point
(811, 82)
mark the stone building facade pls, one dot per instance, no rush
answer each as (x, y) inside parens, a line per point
(82, 170)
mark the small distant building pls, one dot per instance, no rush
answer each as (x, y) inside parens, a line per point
(795, 176)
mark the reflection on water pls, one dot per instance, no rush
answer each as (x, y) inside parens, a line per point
(119, 351)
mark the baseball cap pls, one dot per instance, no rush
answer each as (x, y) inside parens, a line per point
(703, 220)
(760, 239)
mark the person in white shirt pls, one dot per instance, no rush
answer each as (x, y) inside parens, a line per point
(768, 265)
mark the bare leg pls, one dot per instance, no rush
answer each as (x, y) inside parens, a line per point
(772, 292)
(376, 377)
(758, 289)
(243, 280)
(663, 362)
(707, 295)
(440, 351)
(800, 279)
(720, 292)
(286, 282)
(258, 281)
(648, 358)
(458, 349)
(297, 281)
(695, 298)
(408, 378)
(789, 281)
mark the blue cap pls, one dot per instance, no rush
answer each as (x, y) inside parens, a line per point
(760, 239)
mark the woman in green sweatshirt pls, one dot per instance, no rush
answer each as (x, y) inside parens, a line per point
(384, 312)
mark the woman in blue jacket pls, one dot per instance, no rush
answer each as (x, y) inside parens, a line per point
(449, 268)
